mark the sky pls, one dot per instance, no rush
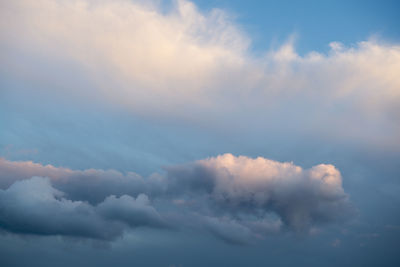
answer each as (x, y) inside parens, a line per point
(199, 133)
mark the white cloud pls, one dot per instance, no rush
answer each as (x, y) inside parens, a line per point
(197, 66)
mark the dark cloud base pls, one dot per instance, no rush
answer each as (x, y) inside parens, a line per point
(236, 199)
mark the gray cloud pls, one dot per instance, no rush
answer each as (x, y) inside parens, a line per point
(228, 230)
(236, 199)
(92, 185)
(253, 189)
(33, 206)
(134, 212)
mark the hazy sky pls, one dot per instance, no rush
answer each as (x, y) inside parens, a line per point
(205, 133)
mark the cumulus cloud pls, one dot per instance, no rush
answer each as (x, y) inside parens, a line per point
(252, 189)
(34, 207)
(92, 185)
(236, 199)
(198, 66)
(227, 229)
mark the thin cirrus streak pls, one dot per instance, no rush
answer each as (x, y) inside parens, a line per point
(237, 199)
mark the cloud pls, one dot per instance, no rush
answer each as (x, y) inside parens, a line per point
(198, 66)
(165, 59)
(134, 212)
(227, 230)
(34, 207)
(92, 185)
(236, 199)
(252, 189)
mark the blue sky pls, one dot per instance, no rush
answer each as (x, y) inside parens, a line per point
(316, 23)
(217, 133)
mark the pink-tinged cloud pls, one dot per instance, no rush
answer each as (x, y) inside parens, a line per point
(197, 66)
(237, 199)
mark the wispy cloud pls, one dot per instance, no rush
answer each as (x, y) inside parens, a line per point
(198, 66)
